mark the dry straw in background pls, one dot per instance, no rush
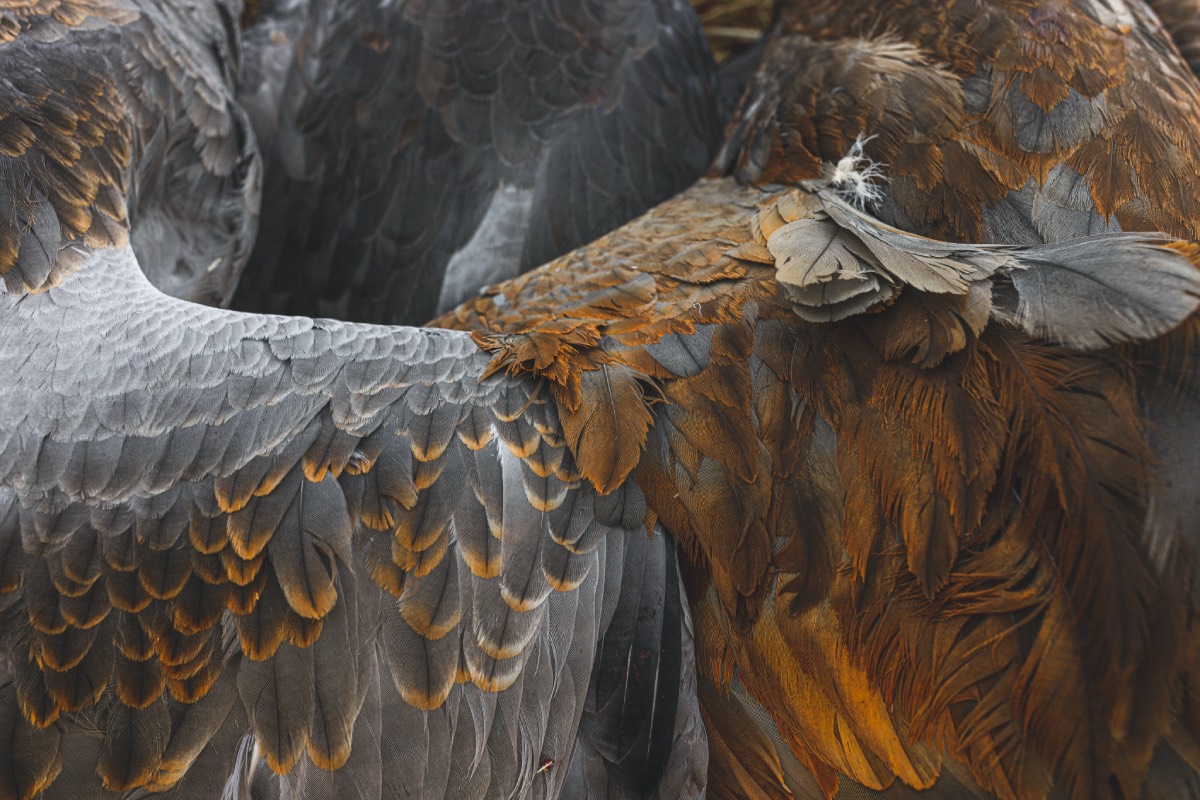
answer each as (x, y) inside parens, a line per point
(732, 24)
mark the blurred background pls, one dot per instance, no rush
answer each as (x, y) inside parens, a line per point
(733, 24)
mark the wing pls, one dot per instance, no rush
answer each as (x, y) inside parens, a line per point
(76, 121)
(916, 546)
(422, 150)
(269, 554)
(206, 510)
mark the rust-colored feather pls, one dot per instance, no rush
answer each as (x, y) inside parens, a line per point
(608, 428)
(895, 499)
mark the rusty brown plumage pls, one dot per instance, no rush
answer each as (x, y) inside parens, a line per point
(980, 110)
(901, 504)
(906, 539)
(1013, 122)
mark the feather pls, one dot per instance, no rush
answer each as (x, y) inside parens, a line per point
(12, 553)
(432, 604)
(63, 651)
(563, 570)
(82, 686)
(491, 673)
(264, 626)
(1092, 293)
(427, 520)
(199, 605)
(473, 534)
(361, 775)
(525, 529)
(609, 430)
(195, 727)
(88, 609)
(311, 536)
(139, 683)
(684, 356)
(134, 742)
(499, 630)
(628, 725)
(742, 760)
(821, 265)
(279, 695)
(29, 755)
(423, 669)
(163, 573)
(250, 529)
(1084, 294)
(335, 672)
(82, 558)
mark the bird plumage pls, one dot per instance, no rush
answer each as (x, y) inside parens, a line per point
(72, 130)
(864, 505)
(195, 435)
(923, 545)
(422, 150)
(1181, 19)
(1010, 122)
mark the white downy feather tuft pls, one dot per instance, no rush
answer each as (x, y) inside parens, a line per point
(856, 177)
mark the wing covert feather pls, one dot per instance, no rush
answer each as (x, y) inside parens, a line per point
(251, 559)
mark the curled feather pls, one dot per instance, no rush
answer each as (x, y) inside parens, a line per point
(834, 261)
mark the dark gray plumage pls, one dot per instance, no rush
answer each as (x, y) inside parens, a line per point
(639, 714)
(149, 379)
(420, 150)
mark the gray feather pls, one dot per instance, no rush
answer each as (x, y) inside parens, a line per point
(525, 528)
(29, 756)
(1084, 293)
(422, 667)
(198, 723)
(279, 695)
(335, 674)
(1093, 292)
(134, 741)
